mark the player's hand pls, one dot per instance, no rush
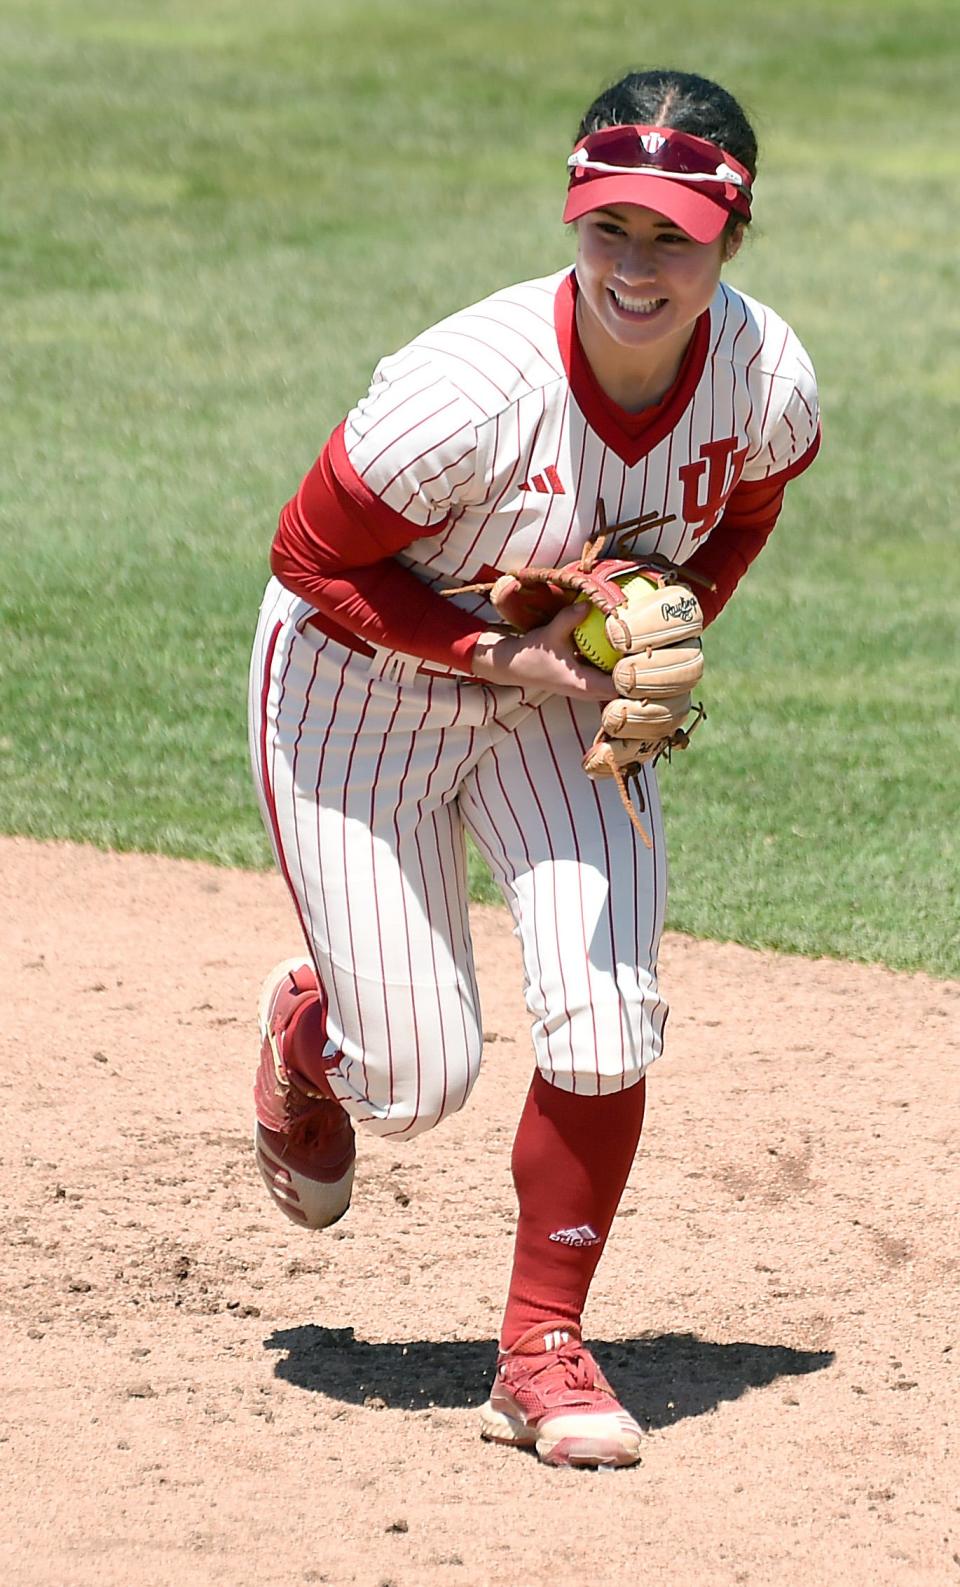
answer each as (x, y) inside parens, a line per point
(542, 659)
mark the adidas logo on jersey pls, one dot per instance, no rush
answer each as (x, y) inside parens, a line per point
(548, 483)
(582, 1235)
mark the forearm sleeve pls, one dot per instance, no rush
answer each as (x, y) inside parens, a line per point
(335, 547)
(736, 541)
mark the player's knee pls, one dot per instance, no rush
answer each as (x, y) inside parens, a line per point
(404, 1121)
(418, 1103)
(604, 1045)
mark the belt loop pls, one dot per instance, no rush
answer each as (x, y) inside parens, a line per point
(392, 666)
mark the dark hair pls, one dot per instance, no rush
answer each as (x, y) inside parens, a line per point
(667, 98)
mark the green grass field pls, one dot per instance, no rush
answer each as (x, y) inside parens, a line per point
(217, 216)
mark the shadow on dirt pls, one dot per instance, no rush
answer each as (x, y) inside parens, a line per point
(661, 1378)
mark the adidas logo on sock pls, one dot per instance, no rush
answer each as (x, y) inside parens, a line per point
(583, 1234)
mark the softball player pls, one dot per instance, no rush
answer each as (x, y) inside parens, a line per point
(387, 720)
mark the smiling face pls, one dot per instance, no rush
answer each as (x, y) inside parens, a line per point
(643, 285)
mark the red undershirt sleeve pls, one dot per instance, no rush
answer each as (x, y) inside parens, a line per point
(335, 547)
(736, 540)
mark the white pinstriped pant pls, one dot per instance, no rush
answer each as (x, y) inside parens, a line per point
(368, 772)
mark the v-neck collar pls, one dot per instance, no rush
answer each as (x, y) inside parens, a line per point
(630, 435)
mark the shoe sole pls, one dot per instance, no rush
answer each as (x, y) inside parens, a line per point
(309, 1203)
(614, 1447)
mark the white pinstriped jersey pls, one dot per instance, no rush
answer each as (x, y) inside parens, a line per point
(490, 439)
(481, 431)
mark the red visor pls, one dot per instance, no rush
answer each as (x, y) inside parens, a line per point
(692, 181)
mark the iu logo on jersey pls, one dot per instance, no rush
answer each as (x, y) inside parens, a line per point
(722, 464)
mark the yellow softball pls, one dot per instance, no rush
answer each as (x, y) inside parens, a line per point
(590, 636)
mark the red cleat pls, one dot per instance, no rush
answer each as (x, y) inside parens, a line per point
(550, 1393)
(303, 1139)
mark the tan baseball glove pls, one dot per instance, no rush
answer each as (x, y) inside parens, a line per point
(652, 630)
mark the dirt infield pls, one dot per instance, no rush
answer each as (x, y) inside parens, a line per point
(197, 1392)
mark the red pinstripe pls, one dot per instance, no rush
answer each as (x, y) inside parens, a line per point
(346, 891)
(667, 482)
(438, 756)
(525, 851)
(293, 774)
(724, 291)
(375, 890)
(731, 430)
(453, 868)
(268, 792)
(321, 757)
(524, 470)
(583, 920)
(495, 505)
(465, 560)
(411, 462)
(428, 479)
(656, 913)
(444, 816)
(554, 366)
(408, 361)
(635, 880)
(444, 330)
(803, 462)
(499, 351)
(713, 414)
(376, 420)
(548, 838)
(492, 856)
(534, 557)
(772, 379)
(618, 510)
(446, 905)
(575, 728)
(581, 464)
(748, 369)
(418, 424)
(545, 321)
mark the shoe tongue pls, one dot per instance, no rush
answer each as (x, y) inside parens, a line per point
(543, 1337)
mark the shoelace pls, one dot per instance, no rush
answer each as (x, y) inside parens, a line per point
(311, 1120)
(577, 1365)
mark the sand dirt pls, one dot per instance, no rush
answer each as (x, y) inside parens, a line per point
(195, 1391)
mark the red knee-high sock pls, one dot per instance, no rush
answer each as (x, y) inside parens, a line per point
(570, 1163)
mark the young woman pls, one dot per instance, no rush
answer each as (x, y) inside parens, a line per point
(387, 719)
